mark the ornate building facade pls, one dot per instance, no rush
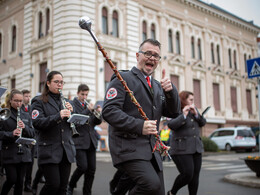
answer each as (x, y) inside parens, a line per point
(204, 49)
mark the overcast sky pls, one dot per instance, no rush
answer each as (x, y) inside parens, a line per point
(245, 9)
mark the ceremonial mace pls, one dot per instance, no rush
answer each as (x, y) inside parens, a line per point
(85, 23)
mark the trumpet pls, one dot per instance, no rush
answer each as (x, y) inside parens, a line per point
(72, 125)
(95, 112)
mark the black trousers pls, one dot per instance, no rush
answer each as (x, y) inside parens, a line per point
(146, 174)
(189, 166)
(29, 168)
(56, 176)
(14, 176)
(86, 164)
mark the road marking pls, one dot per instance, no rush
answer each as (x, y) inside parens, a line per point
(225, 167)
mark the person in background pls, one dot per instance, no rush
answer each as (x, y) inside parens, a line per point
(86, 143)
(26, 108)
(131, 138)
(165, 136)
(15, 156)
(186, 145)
(56, 150)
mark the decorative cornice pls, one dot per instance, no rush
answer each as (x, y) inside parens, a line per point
(221, 14)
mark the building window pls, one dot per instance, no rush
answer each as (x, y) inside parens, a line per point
(13, 83)
(229, 57)
(233, 91)
(153, 31)
(175, 80)
(197, 92)
(249, 101)
(144, 33)
(0, 45)
(245, 62)
(40, 34)
(235, 59)
(212, 54)
(115, 24)
(108, 73)
(199, 50)
(13, 39)
(170, 46)
(47, 21)
(192, 47)
(218, 54)
(104, 21)
(43, 76)
(216, 96)
(178, 44)
(249, 57)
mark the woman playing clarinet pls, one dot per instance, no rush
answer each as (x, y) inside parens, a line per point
(56, 150)
(15, 156)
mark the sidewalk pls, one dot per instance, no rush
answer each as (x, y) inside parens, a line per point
(245, 179)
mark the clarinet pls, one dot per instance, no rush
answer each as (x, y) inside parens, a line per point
(72, 125)
(20, 151)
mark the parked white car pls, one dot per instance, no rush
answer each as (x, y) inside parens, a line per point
(234, 138)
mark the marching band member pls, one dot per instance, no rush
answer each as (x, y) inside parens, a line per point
(56, 150)
(86, 143)
(131, 138)
(15, 157)
(186, 145)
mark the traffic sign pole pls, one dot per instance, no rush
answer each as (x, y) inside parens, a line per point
(258, 88)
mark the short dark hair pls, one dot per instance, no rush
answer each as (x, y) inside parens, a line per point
(83, 87)
(152, 41)
(24, 91)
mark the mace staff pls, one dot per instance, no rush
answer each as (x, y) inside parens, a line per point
(85, 23)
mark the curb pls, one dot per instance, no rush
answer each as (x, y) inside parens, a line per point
(245, 179)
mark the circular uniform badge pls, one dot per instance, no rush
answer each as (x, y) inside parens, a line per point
(35, 114)
(111, 94)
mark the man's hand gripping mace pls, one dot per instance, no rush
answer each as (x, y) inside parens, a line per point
(85, 23)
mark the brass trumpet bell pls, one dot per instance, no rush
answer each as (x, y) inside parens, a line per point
(4, 114)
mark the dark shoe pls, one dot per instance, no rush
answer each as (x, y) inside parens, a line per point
(27, 188)
(69, 190)
(34, 191)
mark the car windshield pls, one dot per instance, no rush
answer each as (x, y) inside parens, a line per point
(245, 133)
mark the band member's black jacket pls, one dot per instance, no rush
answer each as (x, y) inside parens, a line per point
(9, 147)
(87, 131)
(55, 134)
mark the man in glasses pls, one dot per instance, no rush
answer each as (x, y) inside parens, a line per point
(131, 138)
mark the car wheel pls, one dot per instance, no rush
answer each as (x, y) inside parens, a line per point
(228, 147)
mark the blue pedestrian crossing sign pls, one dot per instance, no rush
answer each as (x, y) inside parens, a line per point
(253, 67)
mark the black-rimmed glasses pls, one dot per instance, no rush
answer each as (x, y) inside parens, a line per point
(149, 54)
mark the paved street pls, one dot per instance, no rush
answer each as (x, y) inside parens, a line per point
(214, 168)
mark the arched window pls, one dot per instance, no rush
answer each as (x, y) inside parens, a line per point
(212, 53)
(235, 59)
(144, 33)
(153, 31)
(13, 38)
(40, 34)
(178, 46)
(104, 21)
(229, 57)
(0, 45)
(115, 24)
(47, 21)
(192, 47)
(218, 54)
(199, 50)
(170, 46)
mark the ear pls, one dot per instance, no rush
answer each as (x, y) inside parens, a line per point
(48, 83)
